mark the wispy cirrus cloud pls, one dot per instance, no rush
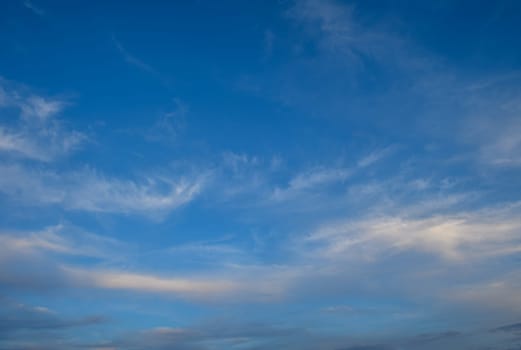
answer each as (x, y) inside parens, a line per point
(34, 8)
(88, 190)
(34, 132)
(467, 235)
(42, 144)
(269, 183)
(61, 239)
(30, 105)
(411, 225)
(130, 58)
(310, 180)
(352, 249)
(437, 100)
(31, 130)
(318, 178)
(167, 127)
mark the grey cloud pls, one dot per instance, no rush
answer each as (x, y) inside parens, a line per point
(431, 337)
(218, 334)
(35, 327)
(32, 260)
(227, 333)
(369, 347)
(511, 328)
(30, 272)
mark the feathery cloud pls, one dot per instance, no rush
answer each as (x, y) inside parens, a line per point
(88, 190)
(35, 133)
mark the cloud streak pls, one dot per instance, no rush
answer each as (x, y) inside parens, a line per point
(131, 59)
(35, 9)
(478, 235)
(87, 190)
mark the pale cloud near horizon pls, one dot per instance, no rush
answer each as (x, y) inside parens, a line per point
(51, 247)
(470, 237)
(499, 293)
(192, 288)
(258, 284)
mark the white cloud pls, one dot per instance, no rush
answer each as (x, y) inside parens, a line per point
(40, 107)
(318, 177)
(309, 181)
(375, 156)
(336, 31)
(31, 106)
(88, 190)
(43, 144)
(94, 192)
(35, 133)
(61, 240)
(186, 287)
(467, 235)
(315, 179)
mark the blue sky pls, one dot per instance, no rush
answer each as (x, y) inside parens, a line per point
(300, 174)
